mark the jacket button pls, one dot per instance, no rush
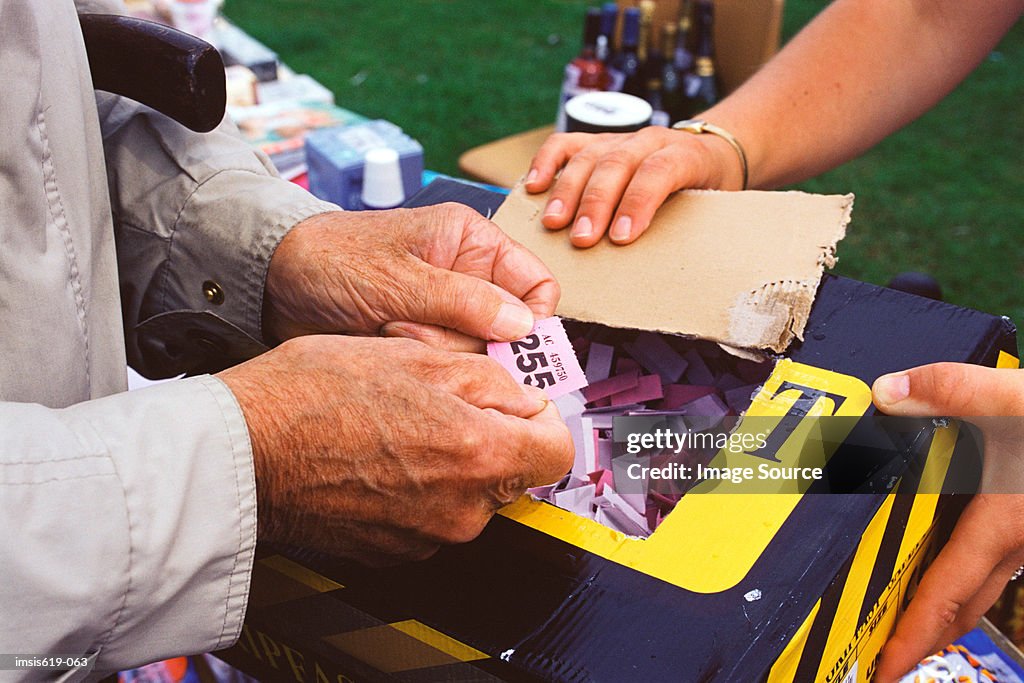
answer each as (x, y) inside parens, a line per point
(213, 292)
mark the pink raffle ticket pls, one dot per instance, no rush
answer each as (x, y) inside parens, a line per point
(544, 359)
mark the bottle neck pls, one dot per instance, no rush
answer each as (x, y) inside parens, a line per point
(591, 30)
(683, 37)
(630, 30)
(609, 16)
(705, 30)
(685, 21)
(646, 21)
(668, 39)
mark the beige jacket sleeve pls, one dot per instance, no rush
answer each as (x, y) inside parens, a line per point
(192, 212)
(129, 529)
(127, 520)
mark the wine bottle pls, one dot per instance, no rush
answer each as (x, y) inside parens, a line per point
(585, 73)
(702, 83)
(637, 84)
(653, 70)
(647, 8)
(673, 99)
(682, 57)
(627, 60)
(609, 18)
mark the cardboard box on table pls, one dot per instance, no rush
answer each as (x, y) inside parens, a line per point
(544, 594)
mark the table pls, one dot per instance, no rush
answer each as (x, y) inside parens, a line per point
(503, 162)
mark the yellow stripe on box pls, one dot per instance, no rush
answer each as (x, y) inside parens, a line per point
(867, 644)
(922, 515)
(293, 570)
(784, 669)
(841, 638)
(1007, 360)
(403, 646)
(439, 641)
(717, 557)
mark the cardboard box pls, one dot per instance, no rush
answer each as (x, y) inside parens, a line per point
(737, 268)
(335, 160)
(545, 595)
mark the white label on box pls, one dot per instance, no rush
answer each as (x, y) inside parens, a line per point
(852, 676)
(361, 138)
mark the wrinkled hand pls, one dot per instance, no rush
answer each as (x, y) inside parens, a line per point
(987, 544)
(620, 179)
(443, 274)
(380, 450)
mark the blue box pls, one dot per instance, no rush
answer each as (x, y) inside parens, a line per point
(335, 160)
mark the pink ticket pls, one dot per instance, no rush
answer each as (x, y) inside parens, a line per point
(544, 359)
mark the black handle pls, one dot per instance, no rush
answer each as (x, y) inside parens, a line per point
(173, 72)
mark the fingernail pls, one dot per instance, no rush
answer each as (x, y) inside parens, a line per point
(583, 228)
(620, 231)
(555, 207)
(512, 322)
(531, 176)
(891, 389)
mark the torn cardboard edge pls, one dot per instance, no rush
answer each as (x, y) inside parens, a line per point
(738, 268)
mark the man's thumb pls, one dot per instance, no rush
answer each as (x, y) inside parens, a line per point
(470, 305)
(950, 389)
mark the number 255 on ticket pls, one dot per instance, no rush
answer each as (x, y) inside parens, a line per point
(544, 359)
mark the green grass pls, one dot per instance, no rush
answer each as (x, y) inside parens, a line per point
(944, 195)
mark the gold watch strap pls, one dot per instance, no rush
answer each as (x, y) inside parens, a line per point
(700, 126)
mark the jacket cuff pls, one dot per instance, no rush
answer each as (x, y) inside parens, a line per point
(182, 453)
(218, 283)
(257, 211)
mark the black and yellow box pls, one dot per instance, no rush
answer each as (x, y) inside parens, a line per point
(731, 587)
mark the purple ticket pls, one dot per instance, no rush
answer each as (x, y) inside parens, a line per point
(648, 388)
(544, 359)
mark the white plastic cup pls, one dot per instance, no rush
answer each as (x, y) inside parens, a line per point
(382, 179)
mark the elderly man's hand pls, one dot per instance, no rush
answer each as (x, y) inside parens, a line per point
(987, 545)
(442, 274)
(381, 450)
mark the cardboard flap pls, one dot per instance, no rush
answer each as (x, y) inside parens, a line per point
(738, 268)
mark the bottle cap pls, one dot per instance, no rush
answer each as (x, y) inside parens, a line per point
(382, 179)
(606, 112)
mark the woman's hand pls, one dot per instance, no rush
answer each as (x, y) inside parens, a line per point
(615, 182)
